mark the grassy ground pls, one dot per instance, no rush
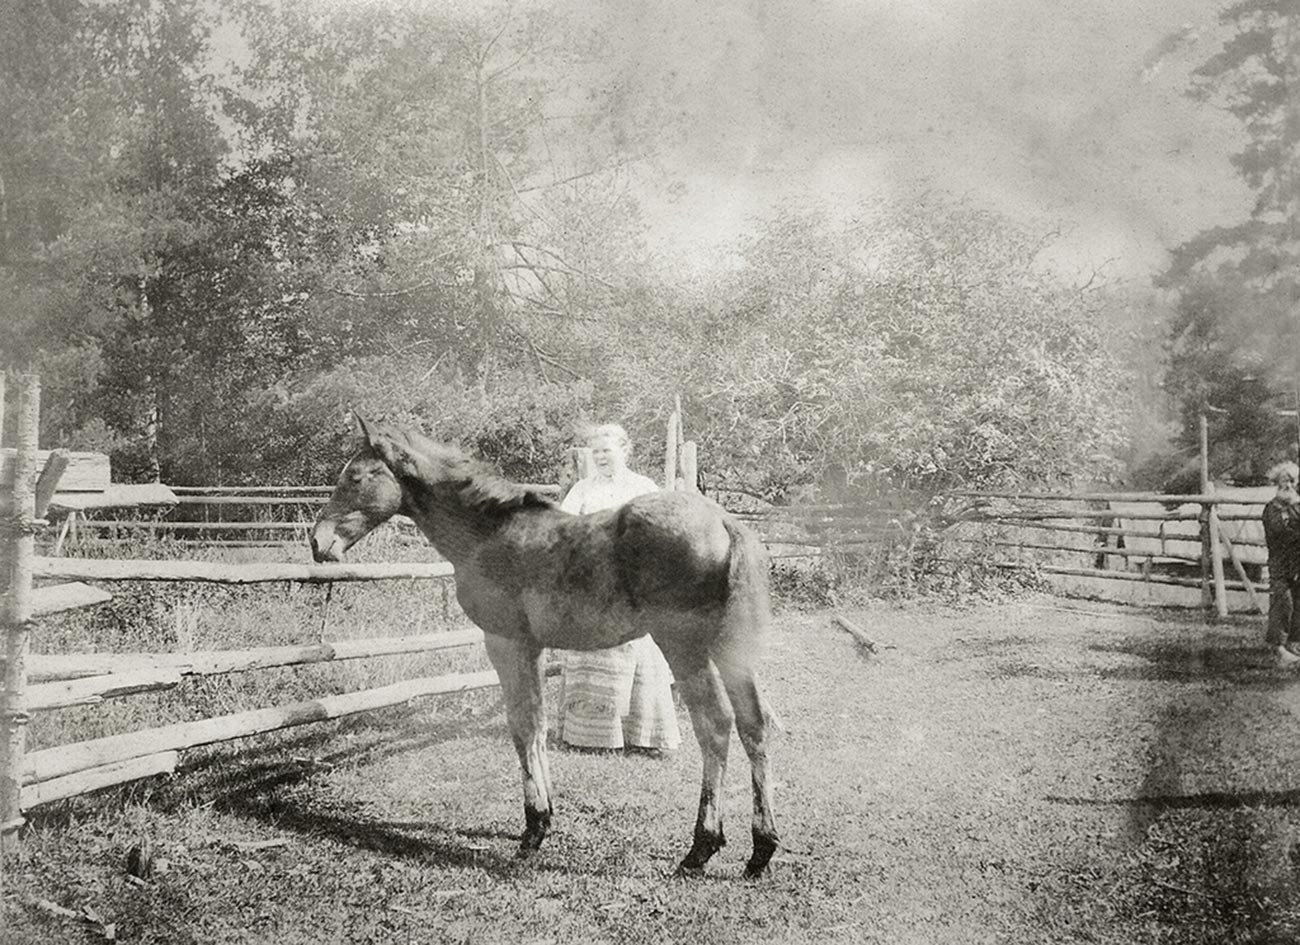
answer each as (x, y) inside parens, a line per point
(1017, 772)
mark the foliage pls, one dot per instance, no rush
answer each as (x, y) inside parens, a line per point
(304, 433)
(915, 344)
(1237, 328)
(424, 210)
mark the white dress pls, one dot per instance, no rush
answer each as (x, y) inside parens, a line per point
(621, 696)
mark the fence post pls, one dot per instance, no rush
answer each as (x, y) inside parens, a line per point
(671, 439)
(1207, 595)
(1216, 560)
(690, 467)
(17, 535)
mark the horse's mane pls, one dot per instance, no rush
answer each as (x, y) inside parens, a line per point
(478, 485)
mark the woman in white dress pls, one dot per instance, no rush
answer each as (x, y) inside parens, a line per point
(620, 697)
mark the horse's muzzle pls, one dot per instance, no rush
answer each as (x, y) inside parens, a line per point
(327, 545)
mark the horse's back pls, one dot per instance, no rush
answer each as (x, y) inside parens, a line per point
(672, 549)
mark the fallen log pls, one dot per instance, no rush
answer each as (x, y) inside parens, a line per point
(859, 635)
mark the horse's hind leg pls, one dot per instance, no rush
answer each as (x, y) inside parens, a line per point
(754, 724)
(519, 666)
(711, 718)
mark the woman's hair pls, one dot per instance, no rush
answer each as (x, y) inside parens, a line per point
(613, 431)
(1284, 469)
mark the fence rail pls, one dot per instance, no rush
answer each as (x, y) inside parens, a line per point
(1193, 530)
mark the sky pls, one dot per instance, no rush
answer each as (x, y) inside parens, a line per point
(1064, 116)
(1059, 115)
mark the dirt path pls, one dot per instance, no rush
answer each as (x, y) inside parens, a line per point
(1011, 773)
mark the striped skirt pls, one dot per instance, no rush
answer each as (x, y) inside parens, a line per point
(619, 697)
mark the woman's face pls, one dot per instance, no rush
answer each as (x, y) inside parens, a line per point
(608, 456)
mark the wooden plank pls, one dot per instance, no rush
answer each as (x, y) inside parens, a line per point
(1160, 497)
(129, 569)
(57, 598)
(1081, 549)
(193, 499)
(48, 481)
(252, 490)
(215, 662)
(95, 689)
(85, 472)
(115, 496)
(1112, 575)
(1087, 514)
(101, 776)
(64, 760)
(547, 487)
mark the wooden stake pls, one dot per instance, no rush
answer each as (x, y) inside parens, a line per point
(670, 451)
(18, 551)
(690, 467)
(48, 482)
(1216, 563)
(1241, 571)
(1207, 594)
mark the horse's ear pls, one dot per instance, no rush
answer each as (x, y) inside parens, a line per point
(385, 442)
(363, 428)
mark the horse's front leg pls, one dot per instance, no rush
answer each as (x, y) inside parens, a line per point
(518, 662)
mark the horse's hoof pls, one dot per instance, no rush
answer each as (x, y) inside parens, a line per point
(688, 871)
(528, 846)
(764, 846)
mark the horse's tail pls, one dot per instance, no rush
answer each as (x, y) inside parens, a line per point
(747, 601)
(748, 609)
(748, 565)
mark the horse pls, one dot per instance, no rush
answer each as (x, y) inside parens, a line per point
(671, 564)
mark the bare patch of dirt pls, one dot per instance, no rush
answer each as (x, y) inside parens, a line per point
(1036, 771)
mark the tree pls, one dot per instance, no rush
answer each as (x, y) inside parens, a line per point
(915, 346)
(478, 187)
(1236, 334)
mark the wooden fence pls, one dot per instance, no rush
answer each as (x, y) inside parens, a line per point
(44, 683)
(1212, 541)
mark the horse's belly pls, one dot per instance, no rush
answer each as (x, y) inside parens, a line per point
(571, 623)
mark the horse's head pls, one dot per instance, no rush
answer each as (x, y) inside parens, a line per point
(366, 495)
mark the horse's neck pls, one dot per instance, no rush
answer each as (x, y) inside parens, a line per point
(451, 527)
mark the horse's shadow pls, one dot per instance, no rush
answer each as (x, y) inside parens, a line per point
(259, 784)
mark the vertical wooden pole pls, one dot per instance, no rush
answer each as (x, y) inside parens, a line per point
(17, 533)
(670, 451)
(1207, 595)
(1216, 561)
(690, 467)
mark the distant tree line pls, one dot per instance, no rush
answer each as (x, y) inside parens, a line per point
(427, 214)
(1234, 339)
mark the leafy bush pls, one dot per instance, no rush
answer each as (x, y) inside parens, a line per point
(519, 423)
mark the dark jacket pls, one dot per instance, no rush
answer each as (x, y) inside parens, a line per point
(1282, 533)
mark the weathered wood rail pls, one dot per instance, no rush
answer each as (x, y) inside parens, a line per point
(1209, 531)
(46, 683)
